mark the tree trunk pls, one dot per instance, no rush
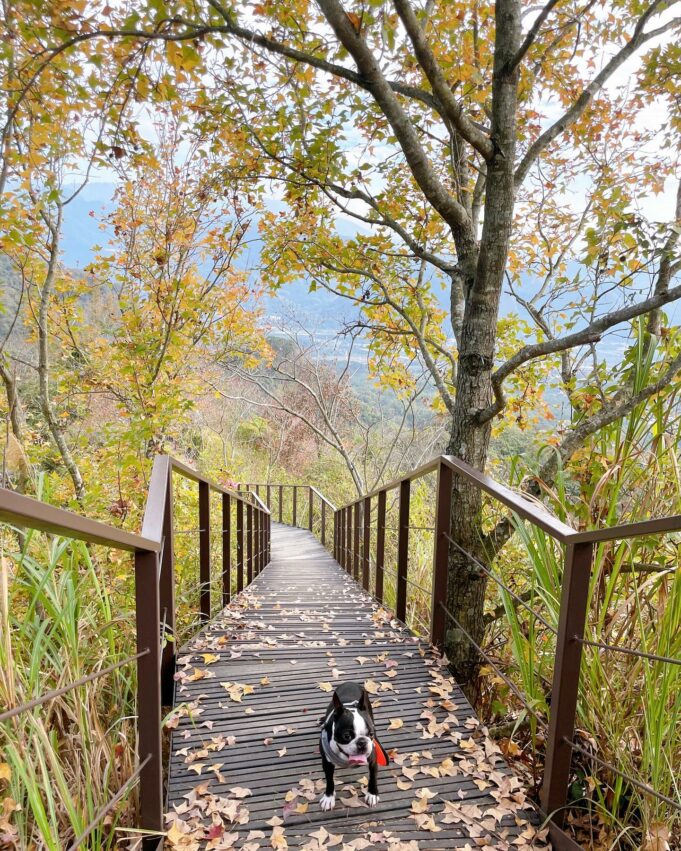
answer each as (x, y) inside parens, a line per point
(46, 406)
(469, 440)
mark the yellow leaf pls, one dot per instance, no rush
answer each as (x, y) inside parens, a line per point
(5, 771)
(325, 686)
(395, 724)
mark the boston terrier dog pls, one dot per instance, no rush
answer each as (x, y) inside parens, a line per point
(348, 737)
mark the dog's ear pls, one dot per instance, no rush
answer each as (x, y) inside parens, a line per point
(363, 705)
(337, 705)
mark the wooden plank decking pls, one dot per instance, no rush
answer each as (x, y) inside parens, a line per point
(245, 770)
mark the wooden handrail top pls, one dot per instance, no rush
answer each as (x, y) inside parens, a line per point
(26, 512)
(189, 473)
(521, 505)
(288, 485)
(531, 510)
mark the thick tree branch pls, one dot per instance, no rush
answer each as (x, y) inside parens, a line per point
(532, 34)
(592, 333)
(609, 413)
(439, 197)
(441, 88)
(250, 37)
(571, 115)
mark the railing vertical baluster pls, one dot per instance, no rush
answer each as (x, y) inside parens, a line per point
(335, 534)
(204, 549)
(148, 622)
(269, 539)
(239, 545)
(366, 544)
(256, 541)
(443, 510)
(403, 551)
(323, 529)
(263, 542)
(380, 544)
(310, 508)
(355, 543)
(226, 549)
(348, 539)
(167, 595)
(295, 506)
(574, 602)
(281, 502)
(249, 543)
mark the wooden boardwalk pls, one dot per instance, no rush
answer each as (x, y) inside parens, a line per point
(245, 771)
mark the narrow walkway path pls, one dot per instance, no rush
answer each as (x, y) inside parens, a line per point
(245, 770)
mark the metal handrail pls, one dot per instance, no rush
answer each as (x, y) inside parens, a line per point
(24, 511)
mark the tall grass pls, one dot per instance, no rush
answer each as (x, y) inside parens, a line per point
(61, 619)
(629, 711)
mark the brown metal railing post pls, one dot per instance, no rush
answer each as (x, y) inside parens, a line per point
(335, 534)
(239, 545)
(380, 544)
(249, 544)
(226, 549)
(281, 502)
(565, 689)
(348, 539)
(256, 541)
(403, 551)
(269, 538)
(148, 621)
(355, 543)
(310, 507)
(323, 529)
(263, 541)
(443, 509)
(366, 544)
(204, 549)
(295, 506)
(261, 523)
(167, 596)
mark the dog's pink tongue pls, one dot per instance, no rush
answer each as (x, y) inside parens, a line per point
(359, 759)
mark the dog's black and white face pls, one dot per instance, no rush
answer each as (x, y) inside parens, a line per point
(349, 732)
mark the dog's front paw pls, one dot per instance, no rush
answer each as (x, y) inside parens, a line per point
(371, 800)
(327, 802)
